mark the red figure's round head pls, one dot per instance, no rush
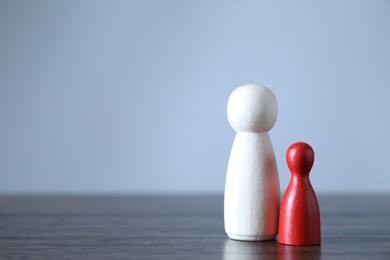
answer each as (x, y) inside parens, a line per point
(300, 158)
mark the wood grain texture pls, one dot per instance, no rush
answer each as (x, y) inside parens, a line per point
(177, 227)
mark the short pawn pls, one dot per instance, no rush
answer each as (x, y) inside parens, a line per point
(299, 221)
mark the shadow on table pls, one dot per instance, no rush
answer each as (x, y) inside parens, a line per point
(235, 250)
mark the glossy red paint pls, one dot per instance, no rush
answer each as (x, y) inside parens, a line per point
(299, 221)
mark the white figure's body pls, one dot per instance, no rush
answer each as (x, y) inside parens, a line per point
(252, 192)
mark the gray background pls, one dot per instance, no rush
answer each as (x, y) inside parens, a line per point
(130, 96)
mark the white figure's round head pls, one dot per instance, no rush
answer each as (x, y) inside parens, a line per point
(252, 108)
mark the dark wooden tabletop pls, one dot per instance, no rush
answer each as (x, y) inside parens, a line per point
(177, 227)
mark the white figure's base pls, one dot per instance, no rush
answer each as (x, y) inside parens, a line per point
(251, 238)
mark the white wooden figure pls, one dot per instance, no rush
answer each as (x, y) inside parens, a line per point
(252, 192)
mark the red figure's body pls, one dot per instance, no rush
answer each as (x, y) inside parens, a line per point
(299, 221)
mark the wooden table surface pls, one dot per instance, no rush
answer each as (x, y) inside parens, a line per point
(177, 227)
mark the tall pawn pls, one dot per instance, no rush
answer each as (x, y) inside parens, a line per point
(252, 192)
(299, 222)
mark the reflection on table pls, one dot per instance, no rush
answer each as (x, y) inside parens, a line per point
(242, 250)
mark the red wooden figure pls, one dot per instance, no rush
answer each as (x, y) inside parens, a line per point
(299, 221)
